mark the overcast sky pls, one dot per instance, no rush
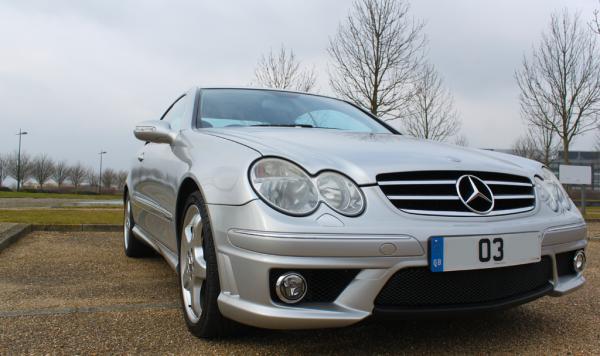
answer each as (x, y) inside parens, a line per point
(78, 75)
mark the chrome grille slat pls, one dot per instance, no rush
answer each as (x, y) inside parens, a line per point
(503, 197)
(434, 192)
(517, 184)
(455, 213)
(422, 182)
(422, 197)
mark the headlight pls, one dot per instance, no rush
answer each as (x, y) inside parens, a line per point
(285, 186)
(552, 191)
(340, 193)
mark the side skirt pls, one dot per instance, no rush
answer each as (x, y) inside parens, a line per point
(167, 254)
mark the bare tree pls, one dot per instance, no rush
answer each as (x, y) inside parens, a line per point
(430, 112)
(538, 144)
(42, 169)
(461, 140)
(283, 71)
(121, 179)
(23, 173)
(77, 174)
(560, 83)
(61, 172)
(92, 177)
(595, 24)
(525, 147)
(109, 177)
(547, 143)
(3, 168)
(375, 55)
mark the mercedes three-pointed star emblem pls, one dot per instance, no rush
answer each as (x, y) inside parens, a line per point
(475, 194)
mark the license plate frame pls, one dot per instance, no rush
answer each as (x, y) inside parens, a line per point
(469, 252)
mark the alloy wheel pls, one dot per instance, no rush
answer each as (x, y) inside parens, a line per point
(127, 224)
(192, 265)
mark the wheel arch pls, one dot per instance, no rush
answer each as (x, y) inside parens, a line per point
(187, 187)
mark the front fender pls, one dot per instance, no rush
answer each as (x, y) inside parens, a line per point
(220, 168)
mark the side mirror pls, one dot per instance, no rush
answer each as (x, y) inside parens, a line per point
(154, 131)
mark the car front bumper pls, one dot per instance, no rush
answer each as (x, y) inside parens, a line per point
(252, 239)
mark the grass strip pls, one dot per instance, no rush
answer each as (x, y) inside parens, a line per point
(62, 216)
(31, 195)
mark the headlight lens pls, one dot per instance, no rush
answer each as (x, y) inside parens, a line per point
(546, 193)
(285, 186)
(340, 193)
(552, 191)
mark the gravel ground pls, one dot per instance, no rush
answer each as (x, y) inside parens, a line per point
(77, 293)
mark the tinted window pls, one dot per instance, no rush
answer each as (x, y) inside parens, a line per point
(175, 114)
(245, 107)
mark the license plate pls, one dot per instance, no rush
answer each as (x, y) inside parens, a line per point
(458, 253)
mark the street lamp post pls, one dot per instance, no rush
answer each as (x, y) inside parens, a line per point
(101, 153)
(20, 134)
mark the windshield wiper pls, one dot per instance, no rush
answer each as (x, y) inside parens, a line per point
(285, 125)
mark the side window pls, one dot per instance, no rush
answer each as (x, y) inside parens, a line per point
(175, 114)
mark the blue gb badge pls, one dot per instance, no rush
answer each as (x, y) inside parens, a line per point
(436, 255)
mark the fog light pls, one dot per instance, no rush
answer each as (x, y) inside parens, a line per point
(290, 287)
(579, 261)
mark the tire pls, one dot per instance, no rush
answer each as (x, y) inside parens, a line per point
(198, 260)
(132, 246)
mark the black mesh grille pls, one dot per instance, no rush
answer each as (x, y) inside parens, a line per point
(323, 285)
(434, 192)
(419, 287)
(564, 263)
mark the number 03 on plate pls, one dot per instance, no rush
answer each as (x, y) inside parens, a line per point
(458, 253)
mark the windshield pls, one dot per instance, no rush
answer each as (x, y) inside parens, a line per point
(249, 107)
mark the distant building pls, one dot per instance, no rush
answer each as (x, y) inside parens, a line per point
(583, 158)
(577, 158)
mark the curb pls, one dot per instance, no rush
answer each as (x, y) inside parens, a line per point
(13, 234)
(20, 230)
(82, 227)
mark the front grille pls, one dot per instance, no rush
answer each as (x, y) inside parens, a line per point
(322, 285)
(419, 287)
(434, 192)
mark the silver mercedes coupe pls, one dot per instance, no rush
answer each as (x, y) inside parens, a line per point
(289, 210)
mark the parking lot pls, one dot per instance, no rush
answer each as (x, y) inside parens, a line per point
(78, 293)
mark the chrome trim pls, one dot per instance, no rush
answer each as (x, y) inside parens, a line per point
(279, 283)
(417, 182)
(453, 213)
(458, 213)
(517, 184)
(422, 197)
(478, 192)
(443, 182)
(152, 207)
(515, 197)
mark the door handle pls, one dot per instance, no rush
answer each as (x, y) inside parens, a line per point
(141, 157)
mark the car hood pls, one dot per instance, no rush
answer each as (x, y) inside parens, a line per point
(363, 156)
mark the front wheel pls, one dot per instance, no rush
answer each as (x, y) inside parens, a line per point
(198, 273)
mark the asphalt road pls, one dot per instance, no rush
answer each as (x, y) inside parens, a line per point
(78, 293)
